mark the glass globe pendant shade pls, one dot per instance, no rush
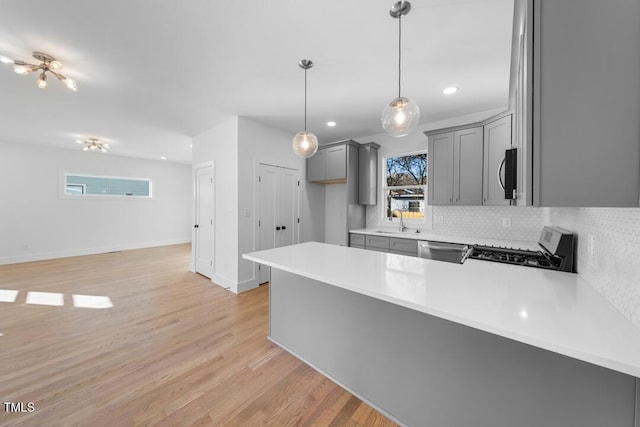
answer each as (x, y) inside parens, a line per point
(305, 144)
(400, 116)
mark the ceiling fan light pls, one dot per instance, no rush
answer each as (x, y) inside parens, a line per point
(85, 149)
(6, 60)
(21, 69)
(42, 81)
(305, 144)
(400, 116)
(71, 84)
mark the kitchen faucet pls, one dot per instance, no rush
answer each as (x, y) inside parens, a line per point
(402, 227)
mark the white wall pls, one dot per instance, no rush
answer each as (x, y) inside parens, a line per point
(35, 223)
(259, 143)
(220, 144)
(237, 147)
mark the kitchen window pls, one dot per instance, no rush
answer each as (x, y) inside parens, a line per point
(77, 185)
(405, 185)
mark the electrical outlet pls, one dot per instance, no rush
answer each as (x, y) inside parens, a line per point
(506, 222)
(438, 219)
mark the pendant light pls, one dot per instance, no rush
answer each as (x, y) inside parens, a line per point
(401, 115)
(305, 143)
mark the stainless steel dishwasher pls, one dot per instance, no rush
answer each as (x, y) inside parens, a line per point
(443, 251)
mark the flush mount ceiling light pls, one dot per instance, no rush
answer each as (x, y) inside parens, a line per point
(331, 124)
(305, 143)
(93, 144)
(450, 90)
(48, 64)
(401, 115)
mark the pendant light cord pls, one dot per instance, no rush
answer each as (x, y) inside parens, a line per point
(399, 52)
(305, 99)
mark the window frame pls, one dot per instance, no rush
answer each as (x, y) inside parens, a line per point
(385, 187)
(63, 186)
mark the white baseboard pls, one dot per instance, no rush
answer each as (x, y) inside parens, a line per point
(88, 251)
(234, 287)
(225, 283)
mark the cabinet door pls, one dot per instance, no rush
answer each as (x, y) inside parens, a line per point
(497, 138)
(440, 169)
(336, 163)
(467, 166)
(586, 103)
(378, 243)
(315, 166)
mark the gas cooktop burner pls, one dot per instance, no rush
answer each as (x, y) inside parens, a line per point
(515, 256)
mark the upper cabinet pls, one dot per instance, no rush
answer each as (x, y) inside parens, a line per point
(455, 167)
(497, 139)
(329, 164)
(586, 103)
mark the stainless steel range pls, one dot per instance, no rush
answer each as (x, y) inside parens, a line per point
(557, 248)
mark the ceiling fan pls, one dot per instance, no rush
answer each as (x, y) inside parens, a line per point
(92, 144)
(47, 64)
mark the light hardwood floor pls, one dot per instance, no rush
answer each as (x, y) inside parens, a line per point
(173, 350)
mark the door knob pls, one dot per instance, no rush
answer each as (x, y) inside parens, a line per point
(278, 228)
(284, 228)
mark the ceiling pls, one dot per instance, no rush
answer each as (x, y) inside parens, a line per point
(152, 74)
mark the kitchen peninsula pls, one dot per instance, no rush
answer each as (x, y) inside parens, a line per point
(433, 343)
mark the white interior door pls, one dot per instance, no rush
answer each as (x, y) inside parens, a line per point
(279, 209)
(204, 216)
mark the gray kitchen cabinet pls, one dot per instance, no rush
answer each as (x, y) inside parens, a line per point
(467, 166)
(368, 174)
(394, 245)
(497, 139)
(329, 164)
(336, 163)
(455, 167)
(342, 210)
(380, 243)
(356, 240)
(403, 246)
(586, 103)
(440, 169)
(315, 166)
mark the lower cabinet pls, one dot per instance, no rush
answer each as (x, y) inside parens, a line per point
(403, 246)
(356, 240)
(394, 245)
(377, 243)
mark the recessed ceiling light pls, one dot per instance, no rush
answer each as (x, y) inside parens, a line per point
(331, 123)
(450, 90)
(163, 158)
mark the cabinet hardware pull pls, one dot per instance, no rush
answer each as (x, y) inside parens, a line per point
(500, 170)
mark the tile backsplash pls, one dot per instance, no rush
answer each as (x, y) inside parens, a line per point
(608, 252)
(487, 221)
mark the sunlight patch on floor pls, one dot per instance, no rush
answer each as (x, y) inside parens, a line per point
(45, 298)
(91, 301)
(7, 295)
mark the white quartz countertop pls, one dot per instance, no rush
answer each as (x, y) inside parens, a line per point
(552, 310)
(428, 235)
